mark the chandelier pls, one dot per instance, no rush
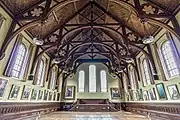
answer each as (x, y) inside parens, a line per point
(148, 37)
(38, 39)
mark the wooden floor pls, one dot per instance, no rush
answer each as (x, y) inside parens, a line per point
(93, 116)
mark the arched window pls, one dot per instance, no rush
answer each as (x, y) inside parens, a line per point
(53, 78)
(81, 81)
(92, 78)
(19, 61)
(103, 81)
(1, 20)
(132, 79)
(40, 73)
(146, 71)
(170, 59)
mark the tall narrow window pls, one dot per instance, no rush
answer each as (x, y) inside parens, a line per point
(81, 81)
(103, 81)
(19, 61)
(40, 73)
(170, 59)
(147, 78)
(92, 78)
(1, 20)
(133, 79)
(52, 80)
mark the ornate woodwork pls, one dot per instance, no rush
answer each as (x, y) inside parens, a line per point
(155, 110)
(91, 29)
(14, 110)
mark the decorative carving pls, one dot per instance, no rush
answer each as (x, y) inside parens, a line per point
(132, 37)
(149, 9)
(62, 53)
(36, 12)
(53, 38)
(123, 52)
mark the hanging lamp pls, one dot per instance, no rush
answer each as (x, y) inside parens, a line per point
(148, 37)
(38, 39)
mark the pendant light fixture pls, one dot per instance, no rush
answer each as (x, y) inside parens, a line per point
(148, 37)
(38, 39)
(129, 60)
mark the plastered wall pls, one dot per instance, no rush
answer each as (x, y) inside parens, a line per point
(3, 63)
(111, 82)
(155, 46)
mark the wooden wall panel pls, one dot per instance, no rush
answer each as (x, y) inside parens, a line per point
(168, 111)
(13, 110)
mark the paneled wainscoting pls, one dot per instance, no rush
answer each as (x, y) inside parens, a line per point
(25, 110)
(91, 105)
(155, 110)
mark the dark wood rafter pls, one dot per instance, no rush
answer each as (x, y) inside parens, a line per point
(47, 8)
(163, 8)
(151, 20)
(26, 26)
(68, 19)
(52, 47)
(20, 17)
(86, 28)
(115, 18)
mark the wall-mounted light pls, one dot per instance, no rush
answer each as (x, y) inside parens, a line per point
(148, 39)
(38, 41)
(129, 60)
(56, 60)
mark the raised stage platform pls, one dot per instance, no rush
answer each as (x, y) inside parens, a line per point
(93, 105)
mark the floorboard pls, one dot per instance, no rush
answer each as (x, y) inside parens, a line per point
(93, 116)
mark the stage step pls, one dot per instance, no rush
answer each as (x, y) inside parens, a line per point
(93, 106)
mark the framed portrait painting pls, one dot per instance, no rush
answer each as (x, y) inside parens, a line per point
(145, 95)
(161, 91)
(70, 92)
(115, 93)
(173, 92)
(34, 94)
(3, 84)
(152, 94)
(26, 92)
(14, 92)
(40, 95)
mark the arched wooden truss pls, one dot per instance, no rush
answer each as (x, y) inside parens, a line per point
(97, 24)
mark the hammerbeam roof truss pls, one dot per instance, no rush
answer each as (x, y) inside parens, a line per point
(74, 29)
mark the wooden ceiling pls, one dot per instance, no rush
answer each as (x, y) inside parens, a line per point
(91, 29)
